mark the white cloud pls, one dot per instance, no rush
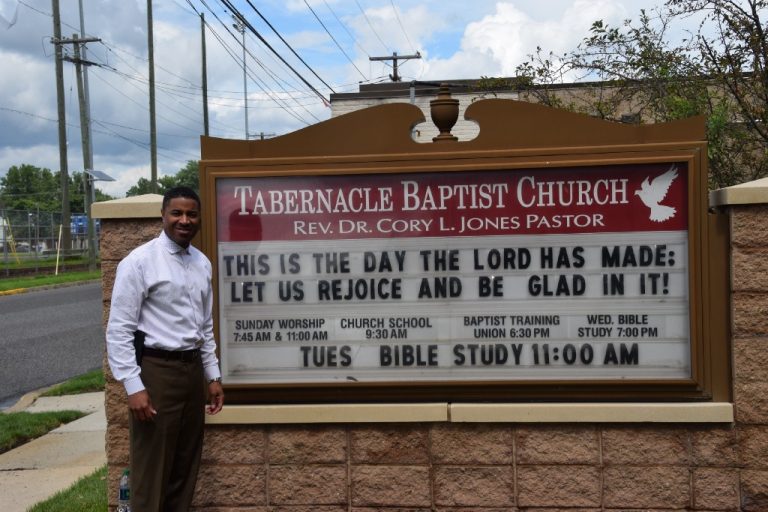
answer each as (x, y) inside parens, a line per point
(125, 178)
(496, 44)
(44, 155)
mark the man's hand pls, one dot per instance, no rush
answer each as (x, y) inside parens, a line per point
(141, 406)
(215, 397)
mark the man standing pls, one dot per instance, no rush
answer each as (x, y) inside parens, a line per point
(163, 293)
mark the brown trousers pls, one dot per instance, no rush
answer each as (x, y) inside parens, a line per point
(165, 453)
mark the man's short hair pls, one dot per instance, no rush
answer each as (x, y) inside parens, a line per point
(174, 192)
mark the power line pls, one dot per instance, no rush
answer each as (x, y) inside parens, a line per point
(143, 145)
(226, 102)
(186, 88)
(190, 89)
(236, 59)
(258, 81)
(269, 46)
(284, 42)
(109, 131)
(173, 94)
(343, 25)
(143, 107)
(371, 26)
(50, 15)
(112, 47)
(138, 73)
(133, 128)
(397, 16)
(334, 39)
(138, 76)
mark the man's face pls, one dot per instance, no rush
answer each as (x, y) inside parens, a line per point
(181, 220)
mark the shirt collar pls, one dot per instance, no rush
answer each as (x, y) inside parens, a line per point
(171, 246)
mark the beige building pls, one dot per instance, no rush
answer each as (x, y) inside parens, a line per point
(580, 97)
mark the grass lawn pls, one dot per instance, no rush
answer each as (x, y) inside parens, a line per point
(87, 494)
(17, 428)
(86, 383)
(40, 261)
(45, 280)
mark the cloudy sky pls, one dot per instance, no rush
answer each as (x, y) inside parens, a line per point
(336, 38)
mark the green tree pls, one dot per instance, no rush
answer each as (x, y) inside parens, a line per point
(637, 69)
(27, 187)
(732, 46)
(144, 186)
(189, 175)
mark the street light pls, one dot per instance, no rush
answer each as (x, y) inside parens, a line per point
(90, 198)
(239, 25)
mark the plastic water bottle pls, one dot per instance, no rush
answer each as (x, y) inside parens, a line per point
(124, 492)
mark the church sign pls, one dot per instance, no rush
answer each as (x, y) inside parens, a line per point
(449, 271)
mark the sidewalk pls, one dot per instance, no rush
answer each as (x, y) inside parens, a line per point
(39, 469)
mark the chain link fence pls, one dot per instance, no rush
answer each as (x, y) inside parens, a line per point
(32, 234)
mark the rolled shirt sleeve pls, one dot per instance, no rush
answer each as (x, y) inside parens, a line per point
(208, 349)
(127, 297)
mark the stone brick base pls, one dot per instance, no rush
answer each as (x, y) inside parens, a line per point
(488, 467)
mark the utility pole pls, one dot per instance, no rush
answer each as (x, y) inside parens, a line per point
(63, 171)
(87, 162)
(240, 27)
(86, 89)
(394, 58)
(205, 75)
(152, 126)
(85, 122)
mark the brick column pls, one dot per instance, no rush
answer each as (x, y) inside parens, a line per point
(747, 205)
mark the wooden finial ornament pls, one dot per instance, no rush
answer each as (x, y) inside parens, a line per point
(444, 111)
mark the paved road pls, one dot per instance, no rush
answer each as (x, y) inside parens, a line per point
(48, 336)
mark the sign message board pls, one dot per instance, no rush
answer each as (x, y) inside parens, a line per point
(517, 275)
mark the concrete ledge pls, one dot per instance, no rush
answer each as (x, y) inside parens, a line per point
(753, 192)
(146, 206)
(476, 413)
(343, 413)
(593, 413)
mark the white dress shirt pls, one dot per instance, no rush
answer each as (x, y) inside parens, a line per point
(163, 290)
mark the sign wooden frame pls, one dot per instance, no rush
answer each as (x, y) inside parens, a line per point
(513, 136)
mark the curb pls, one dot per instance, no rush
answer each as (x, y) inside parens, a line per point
(26, 400)
(15, 291)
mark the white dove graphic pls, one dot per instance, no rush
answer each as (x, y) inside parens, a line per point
(653, 193)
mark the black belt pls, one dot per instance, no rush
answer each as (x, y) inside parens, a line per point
(185, 356)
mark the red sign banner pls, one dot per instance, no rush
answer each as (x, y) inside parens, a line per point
(627, 198)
